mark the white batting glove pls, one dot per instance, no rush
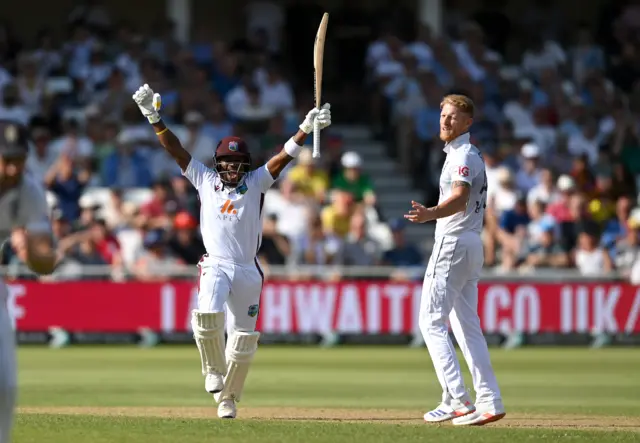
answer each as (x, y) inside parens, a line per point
(323, 115)
(149, 103)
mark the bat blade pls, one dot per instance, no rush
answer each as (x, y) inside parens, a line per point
(318, 57)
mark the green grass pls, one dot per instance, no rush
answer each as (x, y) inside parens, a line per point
(599, 383)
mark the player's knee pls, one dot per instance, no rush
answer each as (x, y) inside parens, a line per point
(430, 322)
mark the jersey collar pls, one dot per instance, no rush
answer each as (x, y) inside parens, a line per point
(463, 139)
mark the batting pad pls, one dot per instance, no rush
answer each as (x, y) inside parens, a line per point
(208, 331)
(240, 351)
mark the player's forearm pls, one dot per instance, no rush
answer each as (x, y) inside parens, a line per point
(278, 162)
(172, 145)
(449, 207)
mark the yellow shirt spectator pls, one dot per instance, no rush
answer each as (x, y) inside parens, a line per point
(336, 218)
(311, 181)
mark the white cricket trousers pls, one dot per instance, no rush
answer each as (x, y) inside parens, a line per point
(8, 380)
(234, 285)
(450, 292)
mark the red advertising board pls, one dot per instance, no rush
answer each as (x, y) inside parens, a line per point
(345, 307)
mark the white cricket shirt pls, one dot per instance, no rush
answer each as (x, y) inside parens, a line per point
(24, 206)
(464, 163)
(230, 218)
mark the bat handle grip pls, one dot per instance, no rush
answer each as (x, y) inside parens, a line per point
(316, 139)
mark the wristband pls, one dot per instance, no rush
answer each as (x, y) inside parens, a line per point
(292, 148)
(162, 132)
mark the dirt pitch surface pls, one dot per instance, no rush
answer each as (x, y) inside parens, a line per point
(389, 416)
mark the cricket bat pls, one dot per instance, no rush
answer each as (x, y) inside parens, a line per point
(318, 56)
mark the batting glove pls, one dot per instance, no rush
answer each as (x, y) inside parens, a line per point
(323, 115)
(149, 103)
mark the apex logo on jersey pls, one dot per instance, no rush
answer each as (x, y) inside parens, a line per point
(228, 212)
(228, 208)
(463, 171)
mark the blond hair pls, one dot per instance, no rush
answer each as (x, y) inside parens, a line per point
(460, 102)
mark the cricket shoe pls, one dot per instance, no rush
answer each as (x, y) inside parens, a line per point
(484, 413)
(213, 383)
(450, 409)
(227, 409)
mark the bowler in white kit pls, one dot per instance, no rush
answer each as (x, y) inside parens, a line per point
(450, 288)
(24, 217)
(231, 197)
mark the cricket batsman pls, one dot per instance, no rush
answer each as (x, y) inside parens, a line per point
(23, 217)
(231, 197)
(450, 288)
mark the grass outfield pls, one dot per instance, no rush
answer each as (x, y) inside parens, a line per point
(363, 394)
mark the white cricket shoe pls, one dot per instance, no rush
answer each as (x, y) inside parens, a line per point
(484, 413)
(213, 383)
(227, 409)
(450, 409)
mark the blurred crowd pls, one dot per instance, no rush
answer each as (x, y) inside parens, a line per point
(557, 119)
(118, 200)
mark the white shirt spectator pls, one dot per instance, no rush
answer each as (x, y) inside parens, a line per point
(542, 194)
(578, 144)
(475, 70)
(278, 96)
(239, 105)
(590, 262)
(31, 96)
(292, 215)
(422, 52)
(131, 69)
(550, 56)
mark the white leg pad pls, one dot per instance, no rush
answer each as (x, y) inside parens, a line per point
(241, 348)
(208, 331)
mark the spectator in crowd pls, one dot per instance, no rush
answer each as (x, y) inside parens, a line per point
(156, 263)
(402, 255)
(591, 259)
(309, 178)
(184, 242)
(512, 232)
(318, 247)
(67, 184)
(352, 180)
(194, 138)
(528, 177)
(126, 167)
(546, 253)
(275, 248)
(359, 249)
(336, 217)
(627, 251)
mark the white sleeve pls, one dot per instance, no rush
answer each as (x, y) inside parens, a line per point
(197, 173)
(463, 168)
(262, 178)
(34, 215)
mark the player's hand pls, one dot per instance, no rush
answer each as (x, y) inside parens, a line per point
(149, 103)
(323, 115)
(419, 213)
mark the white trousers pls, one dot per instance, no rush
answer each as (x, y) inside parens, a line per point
(8, 380)
(235, 286)
(450, 292)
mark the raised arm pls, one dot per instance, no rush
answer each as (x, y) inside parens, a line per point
(293, 146)
(150, 104)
